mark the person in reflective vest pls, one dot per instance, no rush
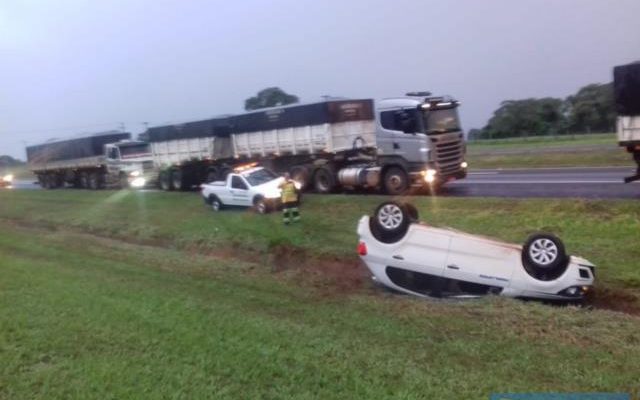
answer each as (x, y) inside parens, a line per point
(289, 198)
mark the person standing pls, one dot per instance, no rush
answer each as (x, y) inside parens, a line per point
(289, 199)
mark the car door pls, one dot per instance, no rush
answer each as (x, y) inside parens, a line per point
(239, 192)
(481, 260)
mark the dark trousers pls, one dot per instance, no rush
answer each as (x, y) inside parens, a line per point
(290, 212)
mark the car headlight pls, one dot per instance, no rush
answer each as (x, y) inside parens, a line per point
(135, 173)
(8, 178)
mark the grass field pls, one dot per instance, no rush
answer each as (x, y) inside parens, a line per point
(598, 150)
(151, 295)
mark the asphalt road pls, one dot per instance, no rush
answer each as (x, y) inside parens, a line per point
(592, 183)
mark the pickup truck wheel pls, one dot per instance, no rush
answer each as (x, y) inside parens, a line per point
(216, 204)
(390, 222)
(323, 180)
(544, 256)
(395, 181)
(261, 206)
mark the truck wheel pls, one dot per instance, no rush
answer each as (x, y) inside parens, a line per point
(300, 174)
(124, 181)
(323, 180)
(216, 204)
(396, 181)
(165, 181)
(95, 181)
(177, 180)
(223, 173)
(44, 181)
(390, 222)
(212, 175)
(544, 256)
(260, 206)
(84, 180)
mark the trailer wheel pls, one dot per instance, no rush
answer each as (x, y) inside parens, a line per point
(177, 180)
(300, 174)
(165, 182)
(323, 180)
(395, 181)
(95, 181)
(212, 175)
(84, 180)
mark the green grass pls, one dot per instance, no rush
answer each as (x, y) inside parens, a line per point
(124, 294)
(605, 157)
(90, 318)
(546, 141)
(596, 150)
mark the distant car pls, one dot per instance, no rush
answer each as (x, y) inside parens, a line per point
(415, 258)
(6, 180)
(255, 187)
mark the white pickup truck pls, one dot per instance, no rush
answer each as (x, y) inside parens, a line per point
(255, 187)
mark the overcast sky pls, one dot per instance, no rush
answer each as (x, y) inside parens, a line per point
(80, 66)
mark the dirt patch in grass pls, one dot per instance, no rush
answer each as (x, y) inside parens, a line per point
(615, 299)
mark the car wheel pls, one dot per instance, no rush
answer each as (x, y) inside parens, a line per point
(216, 204)
(396, 181)
(544, 256)
(390, 222)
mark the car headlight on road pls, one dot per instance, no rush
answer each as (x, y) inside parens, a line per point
(8, 178)
(135, 173)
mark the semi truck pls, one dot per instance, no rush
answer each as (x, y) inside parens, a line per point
(626, 88)
(96, 161)
(413, 141)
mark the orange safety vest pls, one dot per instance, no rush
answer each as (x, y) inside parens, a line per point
(289, 192)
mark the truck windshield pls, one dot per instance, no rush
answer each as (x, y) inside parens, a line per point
(134, 150)
(441, 121)
(259, 177)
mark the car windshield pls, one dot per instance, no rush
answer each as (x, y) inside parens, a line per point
(134, 150)
(259, 177)
(441, 121)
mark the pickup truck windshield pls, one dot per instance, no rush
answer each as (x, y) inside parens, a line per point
(134, 150)
(259, 177)
(441, 121)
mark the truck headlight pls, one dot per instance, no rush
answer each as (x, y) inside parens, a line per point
(138, 182)
(135, 173)
(8, 178)
(464, 164)
(429, 175)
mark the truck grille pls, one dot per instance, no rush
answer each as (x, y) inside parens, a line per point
(449, 153)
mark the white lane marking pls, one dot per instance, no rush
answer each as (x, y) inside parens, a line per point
(472, 182)
(622, 167)
(484, 173)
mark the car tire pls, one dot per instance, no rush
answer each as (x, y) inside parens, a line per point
(544, 256)
(390, 222)
(396, 181)
(324, 181)
(215, 203)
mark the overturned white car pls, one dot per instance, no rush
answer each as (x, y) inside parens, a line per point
(415, 258)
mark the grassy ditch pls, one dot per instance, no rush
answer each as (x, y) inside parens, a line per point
(86, 317)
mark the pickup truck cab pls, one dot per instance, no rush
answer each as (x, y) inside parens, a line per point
(255, 187)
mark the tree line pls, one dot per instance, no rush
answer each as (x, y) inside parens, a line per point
(590, 110)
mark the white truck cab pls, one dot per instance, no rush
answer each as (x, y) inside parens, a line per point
(245, 186)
